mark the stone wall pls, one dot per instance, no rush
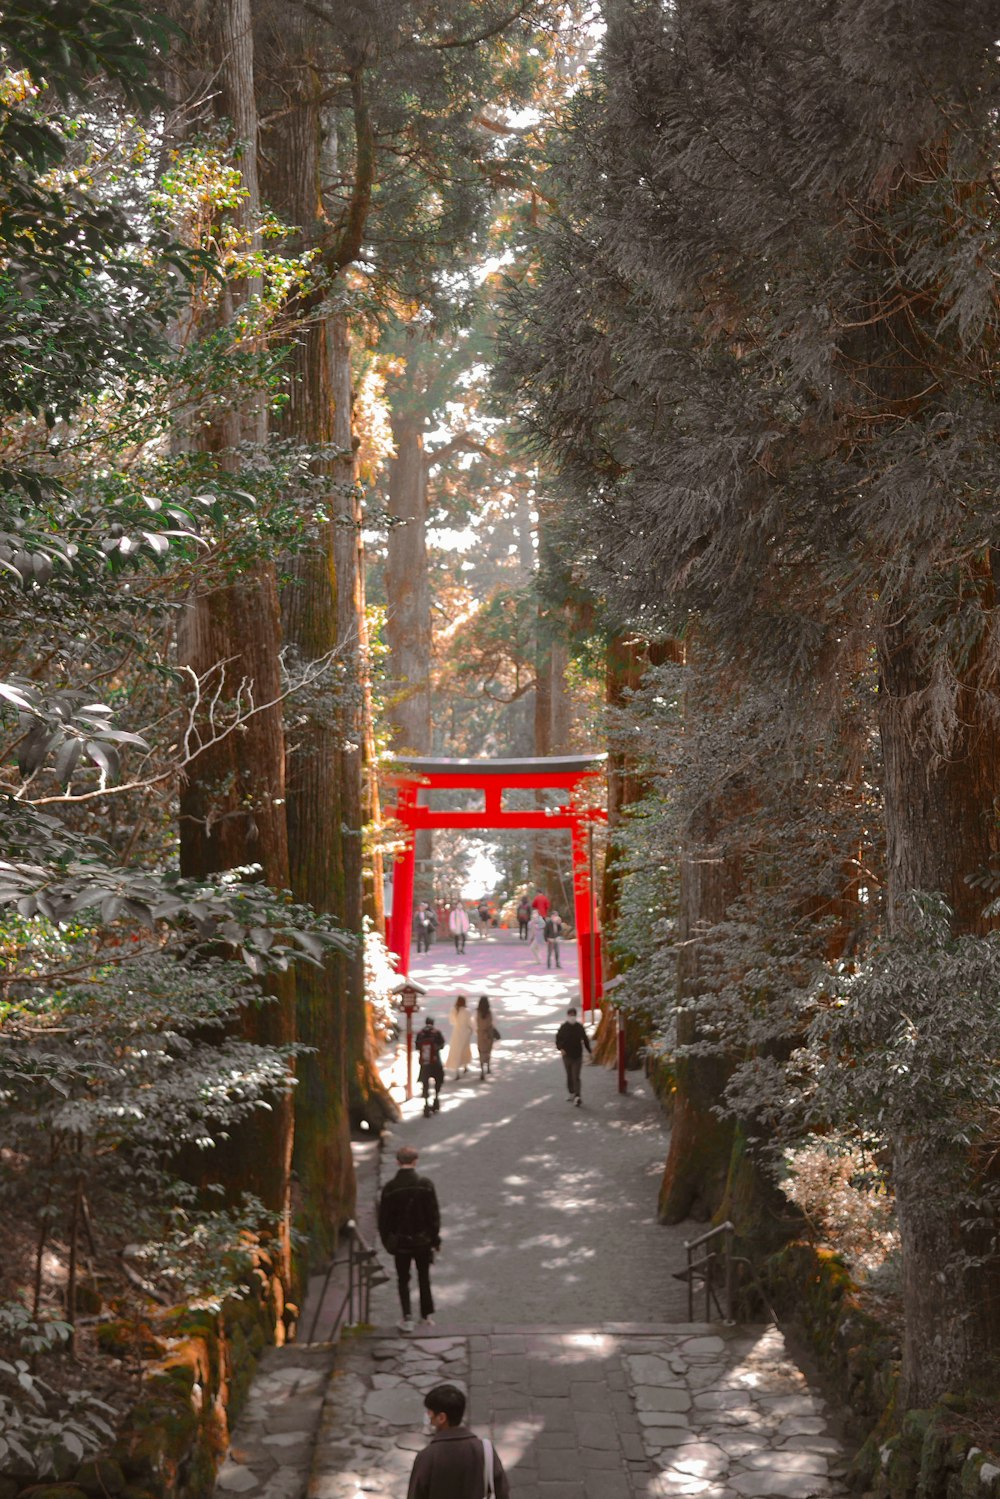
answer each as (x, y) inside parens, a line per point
(913, 1454)
(197, 1372)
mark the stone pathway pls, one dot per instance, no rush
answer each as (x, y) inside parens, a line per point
(614, 1412)
(550, 1244)
(271, 1451)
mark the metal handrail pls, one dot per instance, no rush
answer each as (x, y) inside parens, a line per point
(704, 1266)
(363, 1272)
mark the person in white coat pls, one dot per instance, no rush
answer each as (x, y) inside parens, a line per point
(460, 1044)
(458, 925)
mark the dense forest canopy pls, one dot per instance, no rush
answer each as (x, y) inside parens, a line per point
(511, 378)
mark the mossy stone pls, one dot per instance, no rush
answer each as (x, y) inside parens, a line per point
(53, 1491)
(100, 1476)
(122, 1339)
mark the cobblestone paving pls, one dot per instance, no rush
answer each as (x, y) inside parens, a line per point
(608, 1413)
(272, 1448)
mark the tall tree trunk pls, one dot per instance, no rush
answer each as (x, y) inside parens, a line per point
(627, 659)
(711, 878)
(942, 828)
(320, 804)
(407, 586)
(232, 801)
(408, 616)
(550, 856)
(368, 1099)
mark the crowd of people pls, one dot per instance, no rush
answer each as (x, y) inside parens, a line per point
(539, 925)
(430, 1045)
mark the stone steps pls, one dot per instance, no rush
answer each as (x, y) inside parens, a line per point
(610, 1411)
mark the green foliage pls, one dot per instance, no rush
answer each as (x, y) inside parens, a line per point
(908, 1051)
(42, 1428)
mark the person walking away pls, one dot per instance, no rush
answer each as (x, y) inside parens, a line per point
(571, 1038)
(460, 1042)
(409, 1225)
(536, 937)
(553, 932)
(486, 1034)
(430, 1045)
(458, 925)
(426, 921)
(541, 904)
(455, 1462)
(483, 912)
(523, 918)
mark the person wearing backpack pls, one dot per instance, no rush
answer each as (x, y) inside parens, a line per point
(523, 917)
(455, 1464)
(430, 1045)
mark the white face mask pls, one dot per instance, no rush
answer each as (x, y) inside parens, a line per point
(429, 1427)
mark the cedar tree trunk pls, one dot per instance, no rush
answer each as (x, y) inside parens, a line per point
(232, 800)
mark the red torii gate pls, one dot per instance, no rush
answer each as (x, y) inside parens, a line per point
(567, 773)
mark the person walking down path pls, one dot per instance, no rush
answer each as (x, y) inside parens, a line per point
(409, 1225)
(486, 1034)
(460, 1042)
(458, 925)
(425, 923)
(553, 932)
(523, 918)
(541, 904)
(430, 1045)
(571, 1038)
(455, 1464)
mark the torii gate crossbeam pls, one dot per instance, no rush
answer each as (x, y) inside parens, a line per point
(569, 773)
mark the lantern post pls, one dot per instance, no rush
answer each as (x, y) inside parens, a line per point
(408, 996)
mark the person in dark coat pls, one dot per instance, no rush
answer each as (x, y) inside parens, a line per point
(453, 1464)
(409, 1225)
(553, 931)
(429, 1044)
(571, 1038)
(425, 922)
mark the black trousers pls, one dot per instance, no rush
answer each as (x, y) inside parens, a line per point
(574, 1066)
(426, 1074)
(422, 1259)
(522, 930)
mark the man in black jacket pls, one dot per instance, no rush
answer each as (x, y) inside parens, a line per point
(430, 1045)
(453, 1464)
(409, 1225)
(571, 1038)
